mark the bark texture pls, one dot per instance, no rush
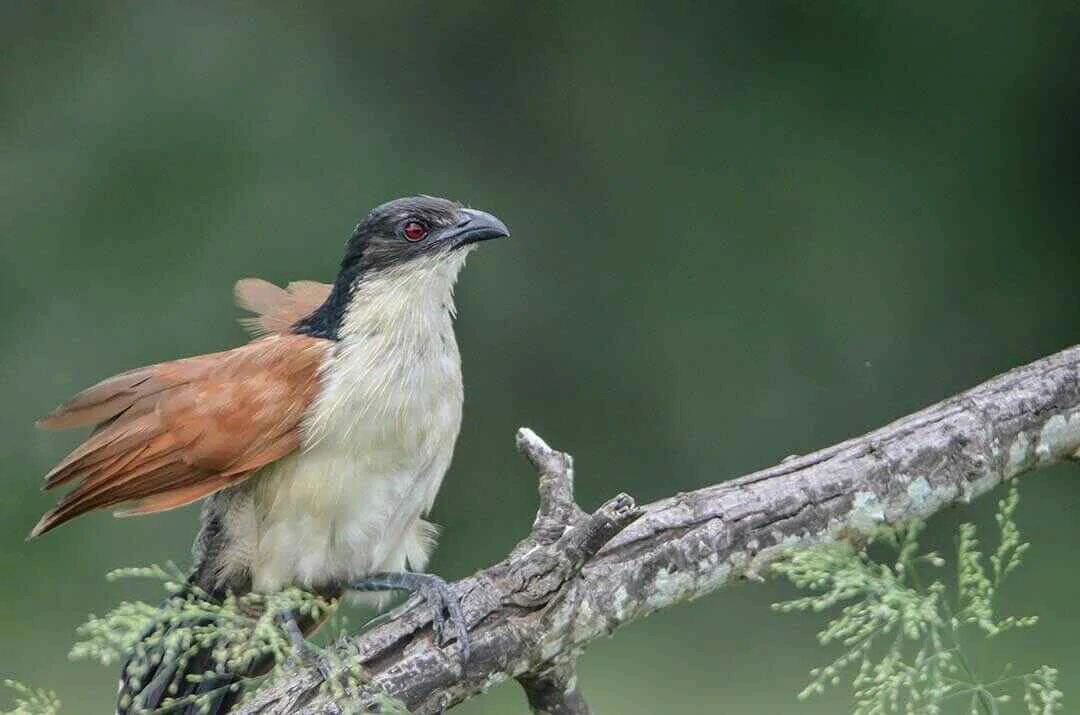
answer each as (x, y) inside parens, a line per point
(580, 576)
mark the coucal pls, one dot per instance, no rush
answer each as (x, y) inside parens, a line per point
(317, 447)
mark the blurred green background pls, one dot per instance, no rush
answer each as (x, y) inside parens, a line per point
(741, 230)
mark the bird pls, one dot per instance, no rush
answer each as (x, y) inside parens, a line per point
(317, 448)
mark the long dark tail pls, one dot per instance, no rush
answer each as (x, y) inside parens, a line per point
(168, 672)
(165, 687)
(172, 668)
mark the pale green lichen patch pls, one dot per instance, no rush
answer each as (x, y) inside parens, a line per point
(492, 680)
(669, 586)
(1020, 455)
(867, 511)
(924, 500)
(1059, 436)
(621, 601)
(977, 487)
(713, 576)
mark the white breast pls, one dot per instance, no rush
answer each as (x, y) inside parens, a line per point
(379, 440)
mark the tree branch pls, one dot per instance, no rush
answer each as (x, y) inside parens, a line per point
(531, 614)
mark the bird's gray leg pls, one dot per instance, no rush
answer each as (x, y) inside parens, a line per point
(439, 595)
(303, 650)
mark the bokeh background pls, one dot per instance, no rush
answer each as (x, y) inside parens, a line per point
(741, 230)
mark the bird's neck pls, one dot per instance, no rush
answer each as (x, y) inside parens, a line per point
(408, 295)
(396, 356)
(407, 305)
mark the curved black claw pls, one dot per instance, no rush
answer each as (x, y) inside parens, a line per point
(438, 594)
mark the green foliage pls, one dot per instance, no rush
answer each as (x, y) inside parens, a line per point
(29, 701)
(243, 634)
(903, 639)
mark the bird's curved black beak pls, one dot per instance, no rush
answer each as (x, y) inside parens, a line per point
(473, 227)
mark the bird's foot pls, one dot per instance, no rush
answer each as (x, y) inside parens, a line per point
(444, 602)
(303, 651)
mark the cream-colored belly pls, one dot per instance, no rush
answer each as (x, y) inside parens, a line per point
(351, 502)
(325, 518)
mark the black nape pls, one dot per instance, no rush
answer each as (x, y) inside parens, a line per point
(325, 322)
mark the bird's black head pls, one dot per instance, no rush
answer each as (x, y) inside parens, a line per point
(404, 229)
(398, 235)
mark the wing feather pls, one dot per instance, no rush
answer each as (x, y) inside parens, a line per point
(173, 433)
(103, 401)
(172, 500)
(277, 309)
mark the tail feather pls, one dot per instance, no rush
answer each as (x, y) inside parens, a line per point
(167, 671)
(158, 674)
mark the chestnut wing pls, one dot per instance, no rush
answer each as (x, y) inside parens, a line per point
(173, 433)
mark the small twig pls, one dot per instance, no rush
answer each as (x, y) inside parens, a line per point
(556, 471)
(589, 532)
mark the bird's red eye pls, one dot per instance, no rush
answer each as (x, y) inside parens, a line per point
(414, 230)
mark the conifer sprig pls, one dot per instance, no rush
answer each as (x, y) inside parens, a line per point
(901, 639)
